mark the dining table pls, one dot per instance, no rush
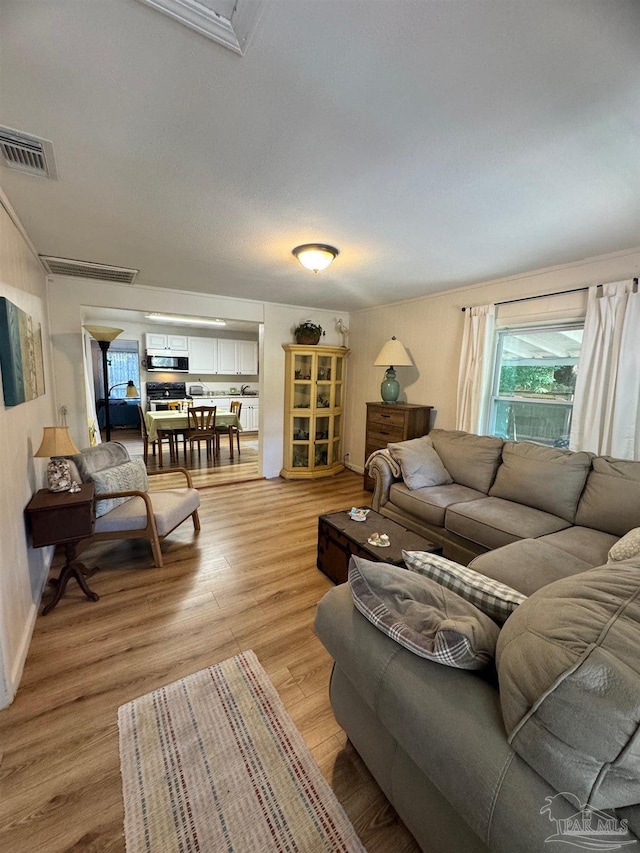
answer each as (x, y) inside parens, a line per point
(167, 423)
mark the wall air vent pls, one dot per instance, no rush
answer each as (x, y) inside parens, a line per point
(84, 269)
(26, 153)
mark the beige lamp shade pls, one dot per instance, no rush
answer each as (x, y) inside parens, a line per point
(103, 333)
(56, 441)
(393, 353)
(132, 391)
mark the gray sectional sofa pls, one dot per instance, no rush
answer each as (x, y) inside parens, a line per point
(541, 751)
(559, 512)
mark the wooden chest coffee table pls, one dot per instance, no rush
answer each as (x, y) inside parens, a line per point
(339, 538)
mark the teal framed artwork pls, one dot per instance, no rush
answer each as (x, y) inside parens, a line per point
(20, 355)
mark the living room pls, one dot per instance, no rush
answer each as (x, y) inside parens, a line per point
(529, 220)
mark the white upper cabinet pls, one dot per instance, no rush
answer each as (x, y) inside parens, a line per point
(223, 356)
(203, 355)
(158, 343)
(227, 362)
(247, 357)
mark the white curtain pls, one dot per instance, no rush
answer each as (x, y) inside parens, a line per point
(92, 417)
(476, 361)
(606, 408)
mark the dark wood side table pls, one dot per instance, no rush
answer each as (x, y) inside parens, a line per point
(63, 518)
(389, 422)
(339, 538)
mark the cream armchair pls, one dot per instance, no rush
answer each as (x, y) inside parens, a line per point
(125, 509)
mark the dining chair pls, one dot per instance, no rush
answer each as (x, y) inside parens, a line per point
(236, 408)
(145, 437)
(202, 427)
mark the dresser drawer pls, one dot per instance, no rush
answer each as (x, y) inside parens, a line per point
(386, 415)
(384, 433)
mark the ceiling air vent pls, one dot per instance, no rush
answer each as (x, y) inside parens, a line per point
(28, 154)
(84, 269)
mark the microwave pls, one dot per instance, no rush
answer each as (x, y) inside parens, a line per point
(168, 363)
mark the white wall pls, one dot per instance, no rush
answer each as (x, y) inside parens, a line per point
(431, 330)
(71, 304)
(23, 569)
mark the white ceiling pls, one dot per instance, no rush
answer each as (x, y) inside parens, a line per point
(436, 143)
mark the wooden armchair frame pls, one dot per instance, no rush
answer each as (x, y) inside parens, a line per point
(150, 531)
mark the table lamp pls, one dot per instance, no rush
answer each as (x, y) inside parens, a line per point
(56, 442)
(392, 353)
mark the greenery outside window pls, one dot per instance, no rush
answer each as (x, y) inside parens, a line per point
(534, 383)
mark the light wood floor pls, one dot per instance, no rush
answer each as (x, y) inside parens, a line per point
(243, 466)
(248, 581)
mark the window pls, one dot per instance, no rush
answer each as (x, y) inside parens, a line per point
(534, 382)
(123, 364)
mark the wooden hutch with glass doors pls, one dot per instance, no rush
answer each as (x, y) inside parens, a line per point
(314, 400)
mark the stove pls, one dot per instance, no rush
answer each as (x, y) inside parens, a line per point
(165, 392)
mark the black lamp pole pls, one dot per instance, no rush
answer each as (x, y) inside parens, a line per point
(104, 347)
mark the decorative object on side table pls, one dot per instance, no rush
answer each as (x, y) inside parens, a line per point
(56, 443)
(392, 353)
(308, 333)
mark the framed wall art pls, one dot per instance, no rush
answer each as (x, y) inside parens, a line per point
(21, 359)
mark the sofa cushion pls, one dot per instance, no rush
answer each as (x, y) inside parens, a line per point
(625, 548)
(170, 508)
(420, 464)
(424, 617)
(493, 522)
(591, 546)
(123, 478)
(529, 564)
(494, 598)
(546, 478)
(472, 460)
(105, 455)
(429, 504)
(569, 677)
(611, 498)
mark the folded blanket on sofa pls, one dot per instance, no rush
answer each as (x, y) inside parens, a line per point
(395, 468)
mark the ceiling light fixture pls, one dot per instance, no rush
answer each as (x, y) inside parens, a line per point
(315, 256)
(191, 321)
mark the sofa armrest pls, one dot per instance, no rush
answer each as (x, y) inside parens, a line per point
(382, 474)
(173, 471)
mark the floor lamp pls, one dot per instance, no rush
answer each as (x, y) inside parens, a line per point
(104, 335)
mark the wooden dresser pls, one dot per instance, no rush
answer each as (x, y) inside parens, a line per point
(390, 422)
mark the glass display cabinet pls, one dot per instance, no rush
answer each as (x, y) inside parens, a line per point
(314, 396)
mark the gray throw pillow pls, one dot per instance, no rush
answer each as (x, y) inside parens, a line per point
(495, 599)
(422, 616)
(420, 464)
(122, 478)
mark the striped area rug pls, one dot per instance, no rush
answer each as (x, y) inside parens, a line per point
(213, 762)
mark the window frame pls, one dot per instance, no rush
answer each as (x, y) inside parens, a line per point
(494, 397)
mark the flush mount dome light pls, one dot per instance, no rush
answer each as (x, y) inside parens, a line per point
(315, 256)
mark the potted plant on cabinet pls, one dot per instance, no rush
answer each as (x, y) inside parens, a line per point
(308, 333)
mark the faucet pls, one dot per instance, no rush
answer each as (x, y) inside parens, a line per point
(244, 388)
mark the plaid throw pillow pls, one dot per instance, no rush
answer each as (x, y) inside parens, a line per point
(495, 599)
(422, 616)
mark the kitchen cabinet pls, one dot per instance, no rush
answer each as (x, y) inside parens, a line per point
(223, 356)
(250, 414)
(203, 355)
(314, 399)
(158, 344)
